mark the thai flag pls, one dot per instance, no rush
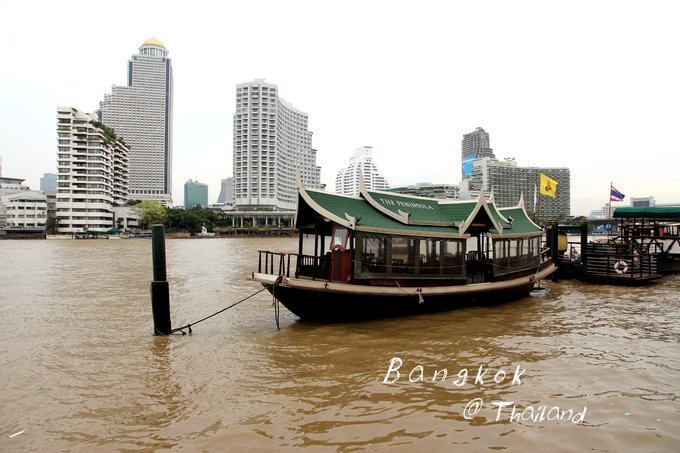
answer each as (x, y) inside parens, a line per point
(616, 195)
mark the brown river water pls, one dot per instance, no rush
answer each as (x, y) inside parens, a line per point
(578, 367)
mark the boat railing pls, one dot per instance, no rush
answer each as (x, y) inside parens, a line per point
(271, 260)
(620, 260)
(279, 263)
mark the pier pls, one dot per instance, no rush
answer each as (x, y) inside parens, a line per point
(645, 246)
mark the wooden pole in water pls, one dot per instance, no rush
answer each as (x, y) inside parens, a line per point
(160, 294)
(553, 249)
(584, 243)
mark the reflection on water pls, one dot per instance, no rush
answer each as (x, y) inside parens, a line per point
(82, 370)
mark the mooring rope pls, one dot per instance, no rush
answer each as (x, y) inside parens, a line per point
(275, 302)
(188, 326)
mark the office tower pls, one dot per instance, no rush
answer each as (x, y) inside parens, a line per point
(48, 186)
(141, 113)
(48, 182)
(195, 194)
(272, 146)
(226, 196)
(475, 145)
(508, 181)
(92, 172)
(361, 163)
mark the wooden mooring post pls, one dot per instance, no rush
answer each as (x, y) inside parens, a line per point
(160, 292)
(583, 226)
(554, 236)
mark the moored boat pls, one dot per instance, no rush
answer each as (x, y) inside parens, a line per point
(383, 254)
(653, 230)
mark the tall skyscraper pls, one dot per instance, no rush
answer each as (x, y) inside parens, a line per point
(195, 194)
(271, 147)
(475, 145)
(92, 169)
(347, 180)
(141, 113)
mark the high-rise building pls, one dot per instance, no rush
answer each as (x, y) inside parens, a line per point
(226, 197)
(508, 181)
(92, 170)
(272, 147)
(361, 163)
(195, 194)
(48, 186)
(48, 182)
(475, 145)
(141, 114)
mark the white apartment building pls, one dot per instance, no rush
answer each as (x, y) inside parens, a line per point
(272, 146)
(361, 163)
(92, 172)
(19, 205)
(141, 113)
(24, 209)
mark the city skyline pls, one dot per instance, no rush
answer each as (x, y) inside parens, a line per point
(600, 101)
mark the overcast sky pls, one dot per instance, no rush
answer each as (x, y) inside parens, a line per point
(593, 85)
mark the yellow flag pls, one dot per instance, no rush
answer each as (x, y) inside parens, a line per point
(548, 186)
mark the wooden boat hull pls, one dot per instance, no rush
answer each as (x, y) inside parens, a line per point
(669, 264)
(332, 302)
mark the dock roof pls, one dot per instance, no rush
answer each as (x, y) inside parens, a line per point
(648, 212)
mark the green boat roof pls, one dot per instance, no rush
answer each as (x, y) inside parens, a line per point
(397, 214)
(649, 212)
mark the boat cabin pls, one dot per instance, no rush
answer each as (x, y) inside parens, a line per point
(382, 238)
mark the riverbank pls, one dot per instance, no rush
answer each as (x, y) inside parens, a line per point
(219, 233)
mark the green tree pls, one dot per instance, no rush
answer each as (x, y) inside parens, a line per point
(190, 220)
(149, 212)
(52, 225)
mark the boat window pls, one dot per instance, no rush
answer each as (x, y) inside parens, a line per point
(378, 256)
(510, 255)
(403, 255)
(453, 252)
(430, 256)
(339, 237)
(374, 255)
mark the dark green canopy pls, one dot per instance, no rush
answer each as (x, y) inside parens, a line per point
(654, 212)
(374, 211)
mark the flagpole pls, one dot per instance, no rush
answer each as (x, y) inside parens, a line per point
(538, 194)
(609, 216)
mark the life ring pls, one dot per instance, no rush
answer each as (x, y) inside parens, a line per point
(338, 248)
(621, 267)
